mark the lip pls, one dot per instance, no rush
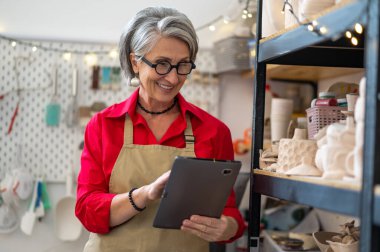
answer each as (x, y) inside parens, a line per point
(166, 88)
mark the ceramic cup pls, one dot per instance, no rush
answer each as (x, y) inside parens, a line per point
(351, 101)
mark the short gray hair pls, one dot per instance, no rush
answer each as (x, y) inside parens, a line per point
(147, 26)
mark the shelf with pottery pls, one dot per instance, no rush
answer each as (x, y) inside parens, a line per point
(333, 195)
(299, 46)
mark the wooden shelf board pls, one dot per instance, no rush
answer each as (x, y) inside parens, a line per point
(311, 73)
(305, 73)
(341, 184)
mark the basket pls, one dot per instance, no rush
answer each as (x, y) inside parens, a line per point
(321, 116)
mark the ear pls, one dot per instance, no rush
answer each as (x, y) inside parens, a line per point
(132, 58)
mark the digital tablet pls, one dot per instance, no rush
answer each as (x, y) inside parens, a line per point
(195, 186)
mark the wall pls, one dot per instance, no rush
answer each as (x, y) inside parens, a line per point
(236, 111)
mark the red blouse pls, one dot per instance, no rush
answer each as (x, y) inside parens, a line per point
(103, 141)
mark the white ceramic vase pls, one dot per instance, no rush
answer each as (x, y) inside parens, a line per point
(297, 152)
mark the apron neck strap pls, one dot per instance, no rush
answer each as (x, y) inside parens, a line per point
(189, 136)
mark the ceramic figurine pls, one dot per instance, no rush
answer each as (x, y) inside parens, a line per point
(340, 142)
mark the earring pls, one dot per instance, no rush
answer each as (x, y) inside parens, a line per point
(135, 82)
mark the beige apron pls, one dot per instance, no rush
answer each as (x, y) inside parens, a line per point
(136, 166)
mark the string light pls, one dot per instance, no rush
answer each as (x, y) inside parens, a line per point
(348, 34)
(323, 30)
(354, 41)
(91, 59)
(358, 28)
(34, 48)
(113, 54)
(14, 43)
(66, 56)
(310, 27)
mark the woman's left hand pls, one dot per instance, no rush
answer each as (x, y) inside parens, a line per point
(211, 229)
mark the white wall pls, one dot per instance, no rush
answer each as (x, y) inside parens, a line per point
(235, 110)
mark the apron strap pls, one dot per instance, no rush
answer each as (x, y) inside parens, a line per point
(128, 131)
(188, 135)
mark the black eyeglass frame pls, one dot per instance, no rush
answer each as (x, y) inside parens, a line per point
(152, 65)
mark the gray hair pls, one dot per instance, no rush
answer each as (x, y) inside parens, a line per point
(147, 26)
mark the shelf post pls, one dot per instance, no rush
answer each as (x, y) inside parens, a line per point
(370, 233)
(257, 137)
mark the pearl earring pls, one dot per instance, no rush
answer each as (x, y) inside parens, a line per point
(135, 82)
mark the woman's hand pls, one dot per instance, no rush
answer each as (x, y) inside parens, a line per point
(154, 190)
(211, 229)
(122, 210)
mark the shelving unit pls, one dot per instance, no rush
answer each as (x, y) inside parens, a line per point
(299, 47)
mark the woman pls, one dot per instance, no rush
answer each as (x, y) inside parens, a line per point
(129, 147)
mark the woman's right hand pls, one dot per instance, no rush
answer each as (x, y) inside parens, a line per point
(122, 210)
(154, 190)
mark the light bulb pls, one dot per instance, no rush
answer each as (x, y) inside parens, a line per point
(323, 30)
(245, 11)
(244, 16)
(314, 22)
(212, 28)
(250, 15)
(14, 43)
(225, 21)
(354, 41)
(348, 34)
(310, 27)
(91, 59)
(34, 48)
(113, 54)
(358, 28)
(66, 56)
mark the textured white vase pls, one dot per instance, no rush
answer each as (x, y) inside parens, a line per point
(295, 152)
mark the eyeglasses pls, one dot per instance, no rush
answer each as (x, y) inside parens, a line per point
(164, 67)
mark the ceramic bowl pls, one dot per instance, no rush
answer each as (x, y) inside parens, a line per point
(321, 238)
(340, 247)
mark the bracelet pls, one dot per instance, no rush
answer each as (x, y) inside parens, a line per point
(132, 202)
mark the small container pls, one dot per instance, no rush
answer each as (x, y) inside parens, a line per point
(326, 95)
(326, 102)
(342, 102)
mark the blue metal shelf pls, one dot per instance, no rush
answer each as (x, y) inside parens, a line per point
(324, 194)
(276, 50)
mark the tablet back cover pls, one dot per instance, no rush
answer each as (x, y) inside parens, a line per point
(195, 186)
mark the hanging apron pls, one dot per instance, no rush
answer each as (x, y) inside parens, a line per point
(136, 166)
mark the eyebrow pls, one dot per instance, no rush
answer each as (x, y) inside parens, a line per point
(170, 60)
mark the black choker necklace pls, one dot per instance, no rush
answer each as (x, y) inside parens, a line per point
(159, 112)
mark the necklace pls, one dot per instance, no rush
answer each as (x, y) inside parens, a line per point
(158, 112)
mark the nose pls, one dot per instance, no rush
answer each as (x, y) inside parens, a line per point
(172, 76)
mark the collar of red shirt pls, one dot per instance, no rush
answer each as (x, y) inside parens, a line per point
(129, 106)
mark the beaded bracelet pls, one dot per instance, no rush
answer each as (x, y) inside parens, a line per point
(132, 202)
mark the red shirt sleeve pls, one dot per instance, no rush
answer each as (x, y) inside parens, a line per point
(224, 150)
(93, 200)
